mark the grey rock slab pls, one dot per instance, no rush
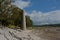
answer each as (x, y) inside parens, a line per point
(2, 37)
(11, 34)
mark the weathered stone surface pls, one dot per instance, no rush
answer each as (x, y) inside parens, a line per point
(44, 34)
(24, 21)
(10, 34)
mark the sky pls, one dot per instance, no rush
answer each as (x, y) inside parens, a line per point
(41, 12)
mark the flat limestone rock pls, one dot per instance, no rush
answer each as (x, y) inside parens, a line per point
(10, 34)
(2, 37)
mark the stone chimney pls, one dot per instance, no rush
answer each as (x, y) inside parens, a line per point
(23, 21)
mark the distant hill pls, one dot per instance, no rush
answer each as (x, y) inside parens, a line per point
(48, 25)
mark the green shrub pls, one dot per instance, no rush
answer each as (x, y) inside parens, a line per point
(12, 26)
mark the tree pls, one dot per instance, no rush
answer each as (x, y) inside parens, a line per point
(29, 22)
(4, 7)
(10, 14)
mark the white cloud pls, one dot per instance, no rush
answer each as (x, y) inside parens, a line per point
(21, 4)
(45, 18)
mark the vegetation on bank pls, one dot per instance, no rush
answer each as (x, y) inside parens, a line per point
(11, 16)
(48, 25)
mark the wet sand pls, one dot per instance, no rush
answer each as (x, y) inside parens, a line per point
(48, 33)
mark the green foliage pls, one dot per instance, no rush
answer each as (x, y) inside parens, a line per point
(12, 26)
(28, 21)
(11, 16)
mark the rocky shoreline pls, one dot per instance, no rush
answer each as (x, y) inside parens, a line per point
(36, 34)
(10, 34)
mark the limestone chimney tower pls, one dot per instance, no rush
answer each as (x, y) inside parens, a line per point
(24, 21)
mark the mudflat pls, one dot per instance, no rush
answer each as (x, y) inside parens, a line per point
(51, 33)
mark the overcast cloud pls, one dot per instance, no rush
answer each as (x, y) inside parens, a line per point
(40, 18)
(21, 4)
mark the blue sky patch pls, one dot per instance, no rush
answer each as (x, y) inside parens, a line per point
(41, 11)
